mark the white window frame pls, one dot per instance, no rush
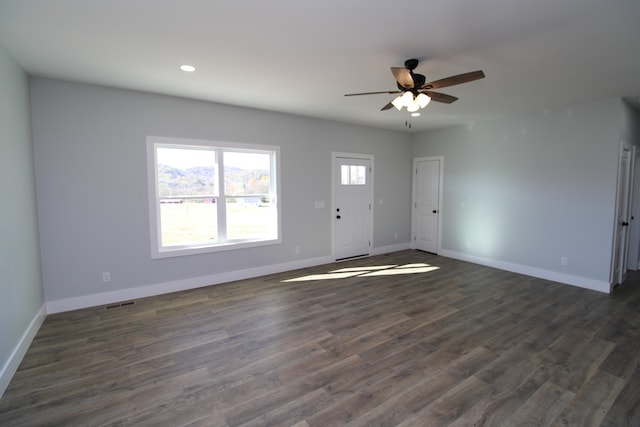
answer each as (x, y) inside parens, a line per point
(157, 251)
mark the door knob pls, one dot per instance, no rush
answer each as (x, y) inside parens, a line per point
(338, 216)
(435, 211)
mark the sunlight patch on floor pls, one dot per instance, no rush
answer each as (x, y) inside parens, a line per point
(396, 271)
(371, 271)
(375, 267)
(324, 276)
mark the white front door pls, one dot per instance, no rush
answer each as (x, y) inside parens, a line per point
(352, 207)
(426, 204)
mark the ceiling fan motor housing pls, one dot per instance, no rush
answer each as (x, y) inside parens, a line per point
(411, 64)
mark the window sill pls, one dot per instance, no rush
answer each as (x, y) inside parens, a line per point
(222, 247)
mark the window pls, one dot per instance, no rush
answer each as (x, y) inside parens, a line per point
(353, 175)
(207, 196)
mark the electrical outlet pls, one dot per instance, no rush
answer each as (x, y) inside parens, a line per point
(564, 261)
(297, 249)
(106, 277)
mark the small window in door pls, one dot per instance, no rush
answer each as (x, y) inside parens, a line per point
(353, 175)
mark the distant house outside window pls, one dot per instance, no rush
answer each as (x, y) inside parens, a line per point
(209, 196)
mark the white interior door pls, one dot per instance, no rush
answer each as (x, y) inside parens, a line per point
(426, 203)
(352, 207)
(621, 243)
(633, 259)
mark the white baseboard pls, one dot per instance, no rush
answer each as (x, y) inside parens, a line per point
(11, 365)
(391, 248)
(568, 279)
(104, 298)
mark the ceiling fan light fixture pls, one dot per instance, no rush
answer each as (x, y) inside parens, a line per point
(413, 107)
(398, 102)
(423, 100)
(407, 99)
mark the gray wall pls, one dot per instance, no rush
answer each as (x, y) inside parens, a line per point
(531, 189)
(91, 176)
(20, 281)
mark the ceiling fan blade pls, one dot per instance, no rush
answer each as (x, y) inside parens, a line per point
(455, 80)
(391, 92)
(403, 76)
(387, 107)
(441, 97)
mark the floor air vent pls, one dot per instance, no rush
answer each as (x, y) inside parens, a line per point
(121, 304)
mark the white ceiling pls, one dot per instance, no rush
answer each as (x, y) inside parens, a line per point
(302, 56)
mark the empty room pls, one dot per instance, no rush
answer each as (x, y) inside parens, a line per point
(319, 213)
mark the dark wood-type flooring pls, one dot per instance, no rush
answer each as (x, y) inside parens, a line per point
(461, 345)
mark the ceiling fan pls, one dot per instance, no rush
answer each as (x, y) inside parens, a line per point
(415, 93)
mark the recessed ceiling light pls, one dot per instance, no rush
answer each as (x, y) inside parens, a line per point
(188, 68)
(416, 114)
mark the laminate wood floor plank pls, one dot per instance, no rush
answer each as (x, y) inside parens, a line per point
(582, 363)
(507, 393)
(543, 407)
(460, 345)
(625, 410)
(592, 401)
(448, 407)
(297, 409)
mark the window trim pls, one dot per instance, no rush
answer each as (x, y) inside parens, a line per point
(153, 197)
